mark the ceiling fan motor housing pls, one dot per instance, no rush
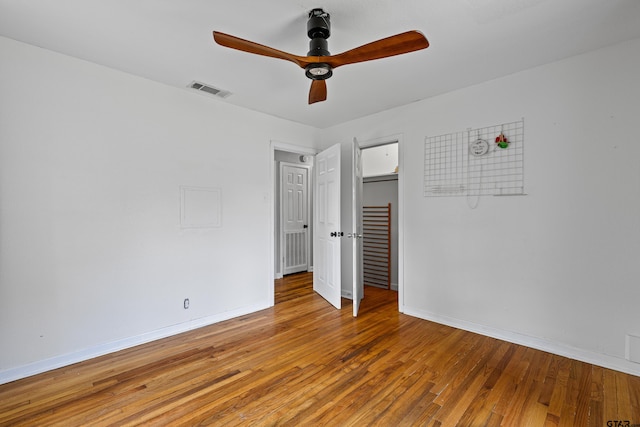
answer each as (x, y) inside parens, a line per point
(318, 30)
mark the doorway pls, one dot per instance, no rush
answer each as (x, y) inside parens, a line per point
(376, 162)
(293, 232)
(380, 165)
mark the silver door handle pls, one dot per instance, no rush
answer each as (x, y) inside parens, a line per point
(354, 235)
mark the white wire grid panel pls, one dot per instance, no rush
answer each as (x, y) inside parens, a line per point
(470, 163)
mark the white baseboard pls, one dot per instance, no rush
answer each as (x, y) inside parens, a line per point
(560, 349)
(111, 347)
(603, 360)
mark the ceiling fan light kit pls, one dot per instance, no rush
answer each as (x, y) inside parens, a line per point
(319, 63)
(319, 71)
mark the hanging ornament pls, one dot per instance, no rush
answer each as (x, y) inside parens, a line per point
(502, 141)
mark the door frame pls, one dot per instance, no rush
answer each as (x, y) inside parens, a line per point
(386, 140)
(309, 169)
(275, 145)
(357, 230)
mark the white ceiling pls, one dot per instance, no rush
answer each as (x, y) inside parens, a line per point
(170, 41)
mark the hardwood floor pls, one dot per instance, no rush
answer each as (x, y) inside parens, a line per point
(304, 363)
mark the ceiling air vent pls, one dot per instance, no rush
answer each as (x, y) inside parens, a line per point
(201, 87)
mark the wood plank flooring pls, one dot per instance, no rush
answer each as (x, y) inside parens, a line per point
(303, 363)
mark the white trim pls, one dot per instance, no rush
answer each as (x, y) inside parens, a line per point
(383, 140)
(291, 148)
(111, 347)
(560, 349)
(400, 284)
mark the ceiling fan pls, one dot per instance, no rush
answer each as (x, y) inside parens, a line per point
(319, 63)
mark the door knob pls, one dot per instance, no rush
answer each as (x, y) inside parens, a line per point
(337, 234)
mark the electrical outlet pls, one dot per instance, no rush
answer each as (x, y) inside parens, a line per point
(633, 348)
(186, 303)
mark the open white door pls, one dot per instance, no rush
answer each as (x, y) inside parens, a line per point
(326, 241)
(358, 282)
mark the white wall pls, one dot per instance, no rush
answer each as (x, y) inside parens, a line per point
(92, 256)
(380, 160)
(558, 268)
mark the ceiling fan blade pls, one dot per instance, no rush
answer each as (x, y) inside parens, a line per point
(318, 91)
(390, 46)
(237, 43)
